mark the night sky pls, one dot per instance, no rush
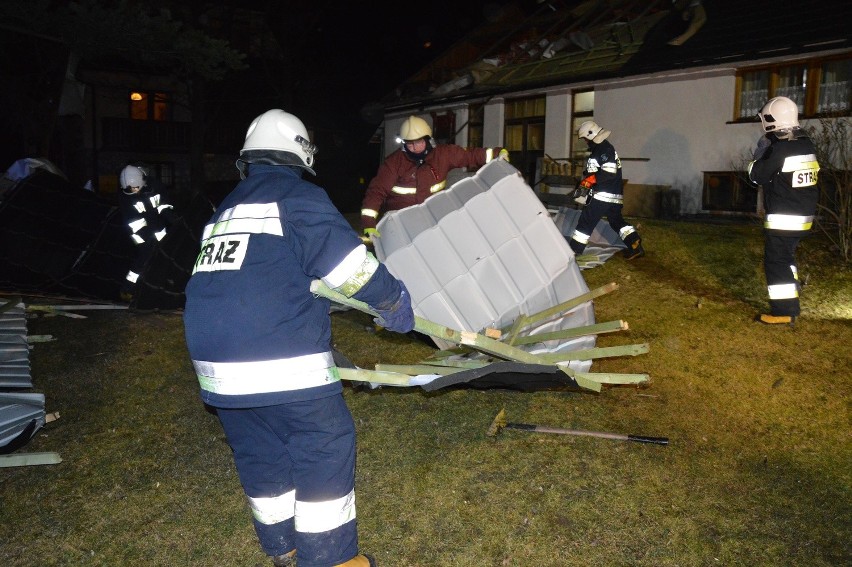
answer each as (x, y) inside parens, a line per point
(349, 55)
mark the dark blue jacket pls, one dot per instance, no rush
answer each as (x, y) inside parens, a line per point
(256, 334)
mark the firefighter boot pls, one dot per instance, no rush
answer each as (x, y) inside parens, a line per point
(634, 250)
(768, 319)
(285, 559)
(362, 560)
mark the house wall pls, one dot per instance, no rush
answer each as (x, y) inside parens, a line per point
(668, 130)
(682, 126)
(557, 128)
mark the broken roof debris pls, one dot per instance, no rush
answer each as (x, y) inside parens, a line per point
(21, 412)
(484, 259)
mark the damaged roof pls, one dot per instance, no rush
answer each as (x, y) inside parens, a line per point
(567, 42)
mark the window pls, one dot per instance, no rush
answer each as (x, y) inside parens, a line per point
(728, 191)
(834, 87)
(444, 127)
(818, 87)
(164, 171)
(150, 106)
(524, 136)
(583, 108)
(475, 125)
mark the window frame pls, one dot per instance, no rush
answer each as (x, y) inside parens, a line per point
(476, 125)
(152, 99)
(525, 113)
(813, 68)
(579, 149)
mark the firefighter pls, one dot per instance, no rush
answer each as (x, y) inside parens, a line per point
(785, 165)
(147, 212)
(602, 178)
(417, 170)
(260, 343)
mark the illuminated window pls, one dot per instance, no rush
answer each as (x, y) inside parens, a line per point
(150, 106)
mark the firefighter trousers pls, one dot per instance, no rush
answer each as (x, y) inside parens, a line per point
(782, 275)
(592, 213)
(296, 463)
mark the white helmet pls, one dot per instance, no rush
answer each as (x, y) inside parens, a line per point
(414, 128)
(131, 176)
(589, 130)
(780, 113)
(277, 138)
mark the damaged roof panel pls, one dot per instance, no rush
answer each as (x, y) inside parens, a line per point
(568, 42)
(483, 253)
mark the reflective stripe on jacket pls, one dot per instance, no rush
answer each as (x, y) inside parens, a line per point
(256, 334)
(788, 171)
(401, 183)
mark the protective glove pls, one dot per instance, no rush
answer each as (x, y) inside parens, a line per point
(367, 237)
(397, 317)
(762, 145)
(504, 155)
(588, 182)
(580, 194)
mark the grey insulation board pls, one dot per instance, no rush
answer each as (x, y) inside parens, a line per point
(484, 252)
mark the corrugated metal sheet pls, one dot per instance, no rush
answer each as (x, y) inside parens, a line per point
(483, 253)
(21, 413)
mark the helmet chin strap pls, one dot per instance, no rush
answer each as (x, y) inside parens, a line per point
(269, 157)
(789, 134)
(419, 157)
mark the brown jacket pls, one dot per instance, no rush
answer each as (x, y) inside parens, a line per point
(400, 182)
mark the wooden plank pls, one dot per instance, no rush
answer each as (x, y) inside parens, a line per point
(417, 369)
(468, 338)
(567, 305)
(463, 364)
(615, 378)
(481, 343)
(27, 459)
(595, 353)
(596, 329)
(373, 376)
(515, 329)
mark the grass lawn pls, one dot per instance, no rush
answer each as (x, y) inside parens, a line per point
(758, 470)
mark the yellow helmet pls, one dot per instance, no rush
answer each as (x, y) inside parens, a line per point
(414, 128)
